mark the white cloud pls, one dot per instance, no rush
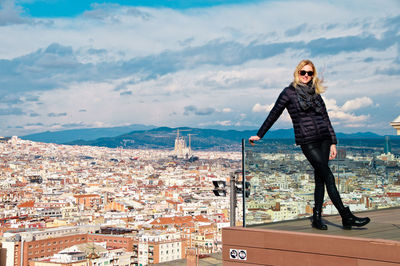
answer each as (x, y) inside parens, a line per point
(347, 117)
(330, 104)
(342, 116)
(262, 108)
(224, 123)
(357, 104)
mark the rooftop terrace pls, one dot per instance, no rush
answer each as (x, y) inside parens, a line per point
(297, 243)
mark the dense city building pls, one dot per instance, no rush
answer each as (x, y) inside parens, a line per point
(148, 202)
(140, 207)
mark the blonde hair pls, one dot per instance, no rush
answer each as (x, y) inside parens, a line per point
(317, 83)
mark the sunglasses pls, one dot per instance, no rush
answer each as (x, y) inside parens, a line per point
(303, 73)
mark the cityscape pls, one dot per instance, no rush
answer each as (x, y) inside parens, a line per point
(73, 204)
(125, 124)
(134, 207)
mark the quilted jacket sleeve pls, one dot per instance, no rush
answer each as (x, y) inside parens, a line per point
(274, 114)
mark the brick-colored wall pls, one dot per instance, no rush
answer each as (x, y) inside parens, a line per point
(48, 247)
(114, 241)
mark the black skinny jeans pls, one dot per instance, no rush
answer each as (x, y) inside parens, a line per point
(318, 155)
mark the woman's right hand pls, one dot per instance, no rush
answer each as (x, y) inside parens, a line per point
(253, 138)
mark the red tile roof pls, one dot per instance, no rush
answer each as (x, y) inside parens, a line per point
(27, 204)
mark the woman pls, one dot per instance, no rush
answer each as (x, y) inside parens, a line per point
(315, 135)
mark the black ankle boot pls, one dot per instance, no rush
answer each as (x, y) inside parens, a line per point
(349, 220)
(317, 222)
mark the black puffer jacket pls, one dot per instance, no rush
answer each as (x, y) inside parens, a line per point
(309, 126)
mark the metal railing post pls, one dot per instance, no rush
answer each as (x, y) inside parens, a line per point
(243, 180)
(233, 200)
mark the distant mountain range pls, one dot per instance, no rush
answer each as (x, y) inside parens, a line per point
(164, 137)
(141, 137)
(65, 136)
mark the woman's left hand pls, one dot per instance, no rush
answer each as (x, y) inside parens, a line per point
(333, 152)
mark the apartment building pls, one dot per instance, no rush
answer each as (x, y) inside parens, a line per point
(19, 251)
(114, 241)
(159, 246)
(23, 245)
(88, 201)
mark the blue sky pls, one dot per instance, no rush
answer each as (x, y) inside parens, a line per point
(220, 64)
(71, 8)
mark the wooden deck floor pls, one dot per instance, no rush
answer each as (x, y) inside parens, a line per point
(385, 224)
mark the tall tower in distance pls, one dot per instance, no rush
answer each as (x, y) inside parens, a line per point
(396, 124)
(388, 148)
